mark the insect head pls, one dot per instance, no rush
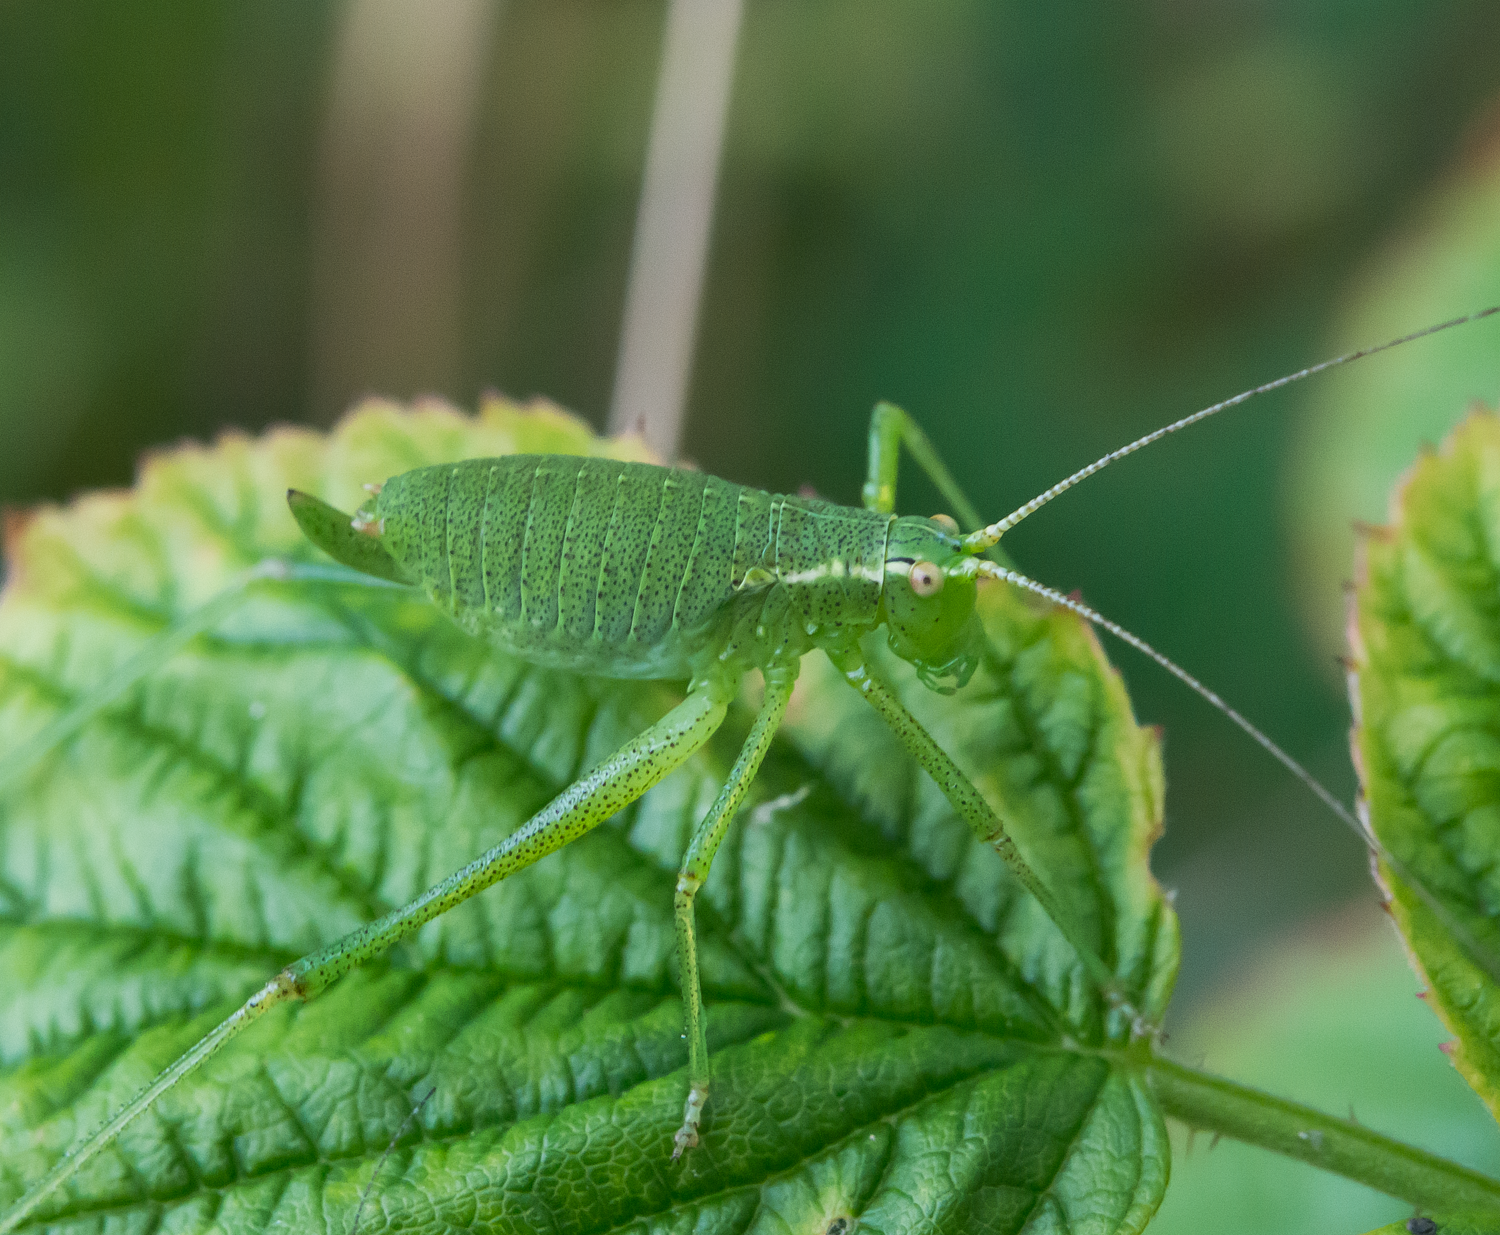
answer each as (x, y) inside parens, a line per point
(927, 602)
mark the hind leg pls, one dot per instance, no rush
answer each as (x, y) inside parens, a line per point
(974, 810)
(583, 805)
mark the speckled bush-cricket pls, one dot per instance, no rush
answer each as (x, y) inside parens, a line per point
(635, 571)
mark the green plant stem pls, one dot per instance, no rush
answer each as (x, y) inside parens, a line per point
(1213, 1104)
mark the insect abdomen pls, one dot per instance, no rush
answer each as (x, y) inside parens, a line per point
(631, 570)
(591, 564)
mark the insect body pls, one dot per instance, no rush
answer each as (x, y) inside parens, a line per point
(638, 571)
(630, 570)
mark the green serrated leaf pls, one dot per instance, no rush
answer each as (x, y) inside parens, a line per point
(898, 1035)
(1426, 640)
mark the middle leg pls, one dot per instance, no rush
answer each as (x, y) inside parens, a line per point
(695, 864)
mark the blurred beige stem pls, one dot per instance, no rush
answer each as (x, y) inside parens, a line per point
(672, 224)
(387, 272)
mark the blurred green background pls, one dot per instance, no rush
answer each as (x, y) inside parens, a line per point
(1043, 228)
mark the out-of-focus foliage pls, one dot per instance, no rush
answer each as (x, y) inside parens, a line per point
(898, 1033)
(1364, 425)
(1329, 1018)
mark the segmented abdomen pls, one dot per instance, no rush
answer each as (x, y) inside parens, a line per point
(590, 563)
(622, 569)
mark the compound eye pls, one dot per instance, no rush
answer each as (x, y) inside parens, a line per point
(926, 579)
(947, 522)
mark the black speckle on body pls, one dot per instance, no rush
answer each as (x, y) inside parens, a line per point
(467, 491)
(626, 545)
(555, 478)
(505, 520)
(594, 496)
(672, 537)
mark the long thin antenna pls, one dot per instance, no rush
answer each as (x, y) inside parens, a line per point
(375, 1174)
(1480, 955)
(985, 537)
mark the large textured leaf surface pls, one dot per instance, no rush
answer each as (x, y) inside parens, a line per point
(899, 1037)
(1426, 684)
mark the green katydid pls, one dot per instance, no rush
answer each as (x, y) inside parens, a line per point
(633, 570)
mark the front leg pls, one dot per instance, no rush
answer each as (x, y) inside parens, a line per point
(972, 808)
